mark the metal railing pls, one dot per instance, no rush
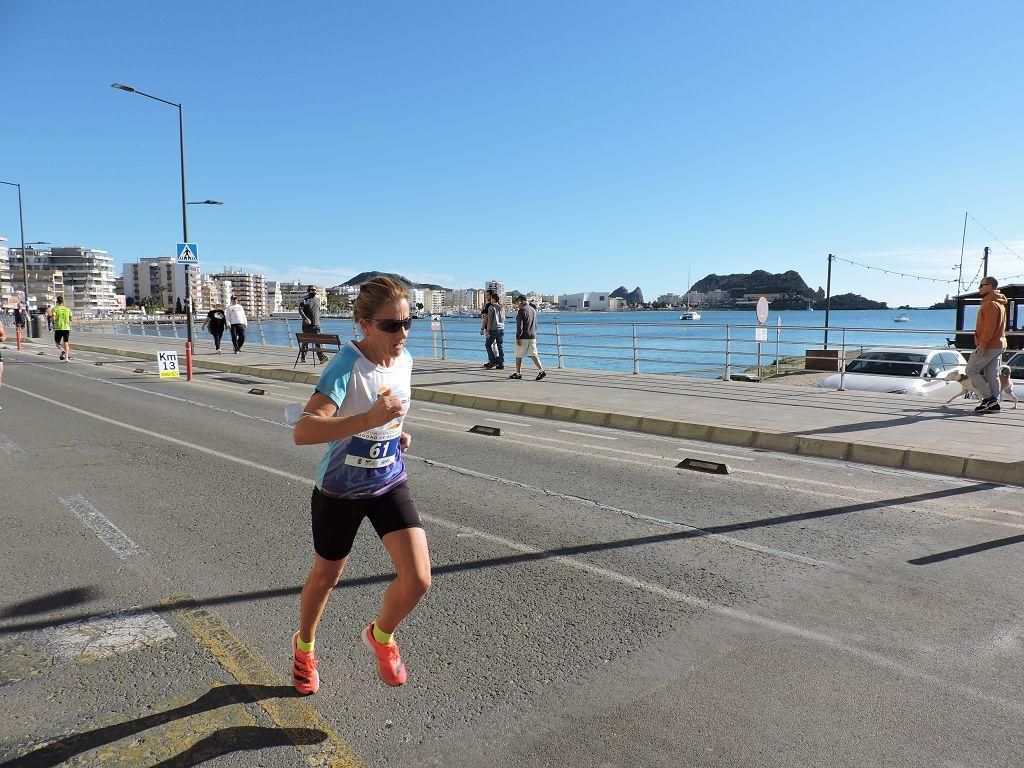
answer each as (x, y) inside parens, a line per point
(706, 350)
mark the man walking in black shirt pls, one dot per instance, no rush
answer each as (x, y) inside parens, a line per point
(309, 311)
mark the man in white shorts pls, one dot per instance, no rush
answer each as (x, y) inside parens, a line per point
(526, 338)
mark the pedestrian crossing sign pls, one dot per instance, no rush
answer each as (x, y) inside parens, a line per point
(188, 253)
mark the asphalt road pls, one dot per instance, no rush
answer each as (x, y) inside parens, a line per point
(592, 604)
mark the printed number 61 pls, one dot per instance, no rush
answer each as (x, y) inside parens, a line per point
(375, 450)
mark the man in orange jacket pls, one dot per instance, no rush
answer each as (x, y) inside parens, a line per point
(989, 342)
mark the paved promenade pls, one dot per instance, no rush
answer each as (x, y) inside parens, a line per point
(888, 430)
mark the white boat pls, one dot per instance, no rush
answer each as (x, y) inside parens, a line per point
(690, 314)
(901, 319)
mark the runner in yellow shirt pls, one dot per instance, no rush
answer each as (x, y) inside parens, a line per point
(62, 329)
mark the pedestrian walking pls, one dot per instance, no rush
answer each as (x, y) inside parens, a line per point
(358, 408)
(238, 322)
(215, 321)
(49, 318)
(309, 312)
(20, 318)
(62, 329)
(526, 338)
(1006, 385)
(492, 328)
(989, 343)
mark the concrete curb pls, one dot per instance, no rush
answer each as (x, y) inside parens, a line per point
(967, 467)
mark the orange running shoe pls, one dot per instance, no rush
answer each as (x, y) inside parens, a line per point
(389, 660)
(304, 674)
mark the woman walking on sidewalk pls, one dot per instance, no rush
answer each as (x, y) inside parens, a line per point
(358, 408)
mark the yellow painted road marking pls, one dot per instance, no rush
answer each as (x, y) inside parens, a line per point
(247, 666)
(170, 730)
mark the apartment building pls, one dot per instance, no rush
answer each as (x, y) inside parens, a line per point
(163, 279)
(250, 289)
(8, 296)
(275, 298)
(88, 278)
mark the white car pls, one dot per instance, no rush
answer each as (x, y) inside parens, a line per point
(908, 371)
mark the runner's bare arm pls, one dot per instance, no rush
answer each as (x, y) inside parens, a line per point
(318, 424)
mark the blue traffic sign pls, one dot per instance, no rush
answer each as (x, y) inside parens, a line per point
(188, 252)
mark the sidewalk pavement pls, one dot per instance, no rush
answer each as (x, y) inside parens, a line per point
(888, 430)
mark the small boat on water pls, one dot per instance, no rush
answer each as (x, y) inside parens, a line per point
(901, 319)
(690, 314)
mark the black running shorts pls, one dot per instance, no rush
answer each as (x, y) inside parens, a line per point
(59, 336)
(336, 521)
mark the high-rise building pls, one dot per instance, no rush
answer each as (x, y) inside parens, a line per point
(249, 289)
(496, 285)
(163, 279)
(88, 278)
(274, 296)
(8, 296)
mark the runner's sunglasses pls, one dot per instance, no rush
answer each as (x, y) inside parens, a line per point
(393, 326)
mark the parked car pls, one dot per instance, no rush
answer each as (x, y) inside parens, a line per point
(914, 371)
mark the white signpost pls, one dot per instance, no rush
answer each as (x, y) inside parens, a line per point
(167, 363)
(761, 334)
(435, 326)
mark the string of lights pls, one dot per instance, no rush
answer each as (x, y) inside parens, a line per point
(996, 238)
(896, 272)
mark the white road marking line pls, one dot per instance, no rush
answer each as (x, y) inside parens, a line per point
(109, 533)
(671, 594)
(115, 633)
(435, 410)
(714, 453)
(672, 524)
(587, 434)
(514, 423)
(10, 447)
(169, 397)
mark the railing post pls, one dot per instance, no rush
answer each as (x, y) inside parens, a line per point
(636, 353)
(444, 341)
(842, 361)
(728, 352)
(156, 322)
(113, 328)
(558, 344)
(288, 332)
(174, 327)
(263, 336)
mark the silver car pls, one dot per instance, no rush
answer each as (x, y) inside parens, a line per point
(917, 371)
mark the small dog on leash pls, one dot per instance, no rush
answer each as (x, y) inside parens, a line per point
(969, 391)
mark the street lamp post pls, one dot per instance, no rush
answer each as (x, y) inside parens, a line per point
(24, 257)
(184, 215)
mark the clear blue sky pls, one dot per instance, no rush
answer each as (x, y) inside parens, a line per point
(557, 146)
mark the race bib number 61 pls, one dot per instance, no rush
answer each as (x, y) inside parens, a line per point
(372, 454)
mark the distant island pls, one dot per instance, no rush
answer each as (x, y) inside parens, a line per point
(362, 277)
(784, 290)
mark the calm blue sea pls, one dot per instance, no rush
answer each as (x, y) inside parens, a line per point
(663, 343)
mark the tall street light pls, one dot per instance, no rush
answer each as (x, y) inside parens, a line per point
(184, 215)
(24, 257)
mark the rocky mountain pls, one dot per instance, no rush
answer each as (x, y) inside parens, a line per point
(636, 296)
(362, 277)
(757, 281)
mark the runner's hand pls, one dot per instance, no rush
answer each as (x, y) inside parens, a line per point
(406, 440)
(387, 408)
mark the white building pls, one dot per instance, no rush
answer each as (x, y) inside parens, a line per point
(249, 289)
(274, 296)
(8, 296)
(589, 301)
(88, 278)
(417, 298)
(163, 279)
(496, 285)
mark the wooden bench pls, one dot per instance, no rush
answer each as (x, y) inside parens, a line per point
(320, 340)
